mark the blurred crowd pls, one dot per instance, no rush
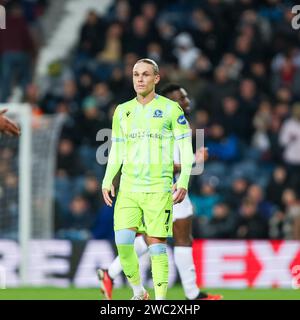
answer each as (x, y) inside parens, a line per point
(19, 44)
(239, 62)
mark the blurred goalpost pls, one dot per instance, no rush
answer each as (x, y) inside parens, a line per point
(27, 168)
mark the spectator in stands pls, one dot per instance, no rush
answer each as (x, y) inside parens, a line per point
(89, 41)
(138, 38)
(256, 194)
(206, 34)
(277, 225)
(273, 136)
(249, 101)
(250, 224)
(221, 147)
(91, 193)
(17, 49)
(68, 164)
(85, 84)
(103, 96)
(218, 89)
(70, 96)
(292, 213)
(236, 192)
(261, 123)
(258, 72)
(93, 119)
(120, 85)
(166, 34)
(112, 47)
(149, 11)
(205, 201)
(285, 68)
(78, 222)
(232, 64)
(277, 184)
(222, 224)
(231, 117)
(289, 139)
(121, 12)
(185, 51)
(53, 83)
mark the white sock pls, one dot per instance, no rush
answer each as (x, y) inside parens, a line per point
(115, 268)
(140, 247)
(138, 290)
(184, 262)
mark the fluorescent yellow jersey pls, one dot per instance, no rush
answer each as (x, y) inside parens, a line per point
(143, 142)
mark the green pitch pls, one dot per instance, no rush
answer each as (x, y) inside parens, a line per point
(174, 293)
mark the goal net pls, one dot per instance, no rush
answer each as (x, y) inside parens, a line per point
(27, 165)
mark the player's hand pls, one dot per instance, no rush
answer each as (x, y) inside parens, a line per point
(201, 155)
(178, 194)
(106, 196)
(7, 126)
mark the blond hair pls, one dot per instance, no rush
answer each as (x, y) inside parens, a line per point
(150, 61)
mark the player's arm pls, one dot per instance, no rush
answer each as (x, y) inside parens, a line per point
(115, 159)
(182, 135)
(201, 156)
(7, 126)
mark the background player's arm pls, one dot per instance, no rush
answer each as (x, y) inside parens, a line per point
(7, 126)
(115, 159)
(201, 156)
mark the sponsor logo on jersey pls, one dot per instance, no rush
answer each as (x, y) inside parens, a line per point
(157, 114)
(181, 119)
(144, 134)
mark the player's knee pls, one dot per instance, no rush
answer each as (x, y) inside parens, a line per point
(125, 236)
(183, 242)
(182, 239)
(157, 249)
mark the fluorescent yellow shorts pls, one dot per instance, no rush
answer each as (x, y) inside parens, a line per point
(150, 213)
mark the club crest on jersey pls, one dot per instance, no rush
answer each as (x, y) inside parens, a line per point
(157, 114)
(181, 119)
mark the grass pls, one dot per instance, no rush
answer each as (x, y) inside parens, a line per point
(175, 293)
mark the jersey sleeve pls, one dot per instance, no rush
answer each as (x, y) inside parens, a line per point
(182, 136)
(115, 158)
(176, 154)
(117, 134)
(180, 126)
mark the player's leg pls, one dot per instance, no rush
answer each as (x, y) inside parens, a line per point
(107, 277)
(183, 253)
(159, 266)
(183, 256)
(140, 247)
(127, 220)
(157, 209)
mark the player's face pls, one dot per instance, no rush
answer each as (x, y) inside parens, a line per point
(144, 78)
(182, 98)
